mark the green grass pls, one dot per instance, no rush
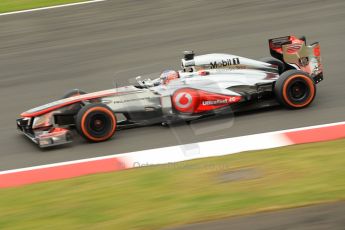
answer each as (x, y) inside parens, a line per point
(168, 195)
(15, 5)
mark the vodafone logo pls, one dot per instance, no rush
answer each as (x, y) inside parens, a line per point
(183, 100)
(191, 101)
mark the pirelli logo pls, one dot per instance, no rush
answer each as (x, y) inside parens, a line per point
(225, 63)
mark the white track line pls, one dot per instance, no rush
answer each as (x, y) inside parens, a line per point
(51, 7)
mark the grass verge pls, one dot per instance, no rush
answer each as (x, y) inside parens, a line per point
(166, 195)
(16, 5)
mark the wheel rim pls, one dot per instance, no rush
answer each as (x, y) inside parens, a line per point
(298, 91)
(99, 124)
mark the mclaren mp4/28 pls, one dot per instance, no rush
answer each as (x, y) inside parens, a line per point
(206, 85)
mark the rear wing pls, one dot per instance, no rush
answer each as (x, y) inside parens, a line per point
(295, 53)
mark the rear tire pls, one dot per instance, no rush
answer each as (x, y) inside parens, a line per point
(295, 89)
(274, 61)
(96, 122)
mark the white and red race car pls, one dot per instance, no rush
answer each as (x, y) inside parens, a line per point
(207, 85)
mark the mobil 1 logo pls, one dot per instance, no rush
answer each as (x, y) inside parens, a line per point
(225, 63)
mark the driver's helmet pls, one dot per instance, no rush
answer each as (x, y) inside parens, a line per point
(169, 75)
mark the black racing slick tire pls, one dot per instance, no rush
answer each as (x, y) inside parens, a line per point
(72, 93)
(295, 89)
(274, 61)
(96, 122)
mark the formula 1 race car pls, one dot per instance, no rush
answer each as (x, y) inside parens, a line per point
(207, 85)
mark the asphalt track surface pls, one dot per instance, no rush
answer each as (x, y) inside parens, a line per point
(45, 53)
(316, 217)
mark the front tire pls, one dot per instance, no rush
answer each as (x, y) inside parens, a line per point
(295, 89)
(96, 122)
